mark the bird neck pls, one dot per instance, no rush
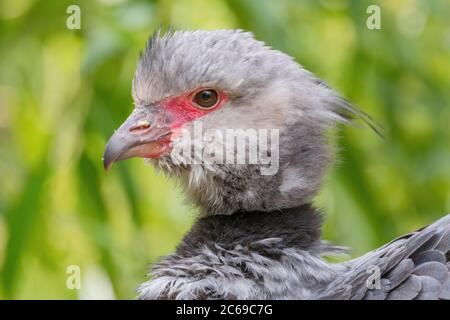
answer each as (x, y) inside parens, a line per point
(245, 255)
(297, 227)
(225, 189)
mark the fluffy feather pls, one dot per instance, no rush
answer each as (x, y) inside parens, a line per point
(258, 237)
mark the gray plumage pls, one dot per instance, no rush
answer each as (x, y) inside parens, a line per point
(277, 255)
(257, 236)
(415, 266)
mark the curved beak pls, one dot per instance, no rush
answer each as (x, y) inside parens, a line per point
(146, 133)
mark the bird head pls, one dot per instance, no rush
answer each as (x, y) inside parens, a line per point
(217, 82)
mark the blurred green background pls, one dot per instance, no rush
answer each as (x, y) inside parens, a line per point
(62, 92)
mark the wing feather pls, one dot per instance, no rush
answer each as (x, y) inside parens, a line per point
(414, 266)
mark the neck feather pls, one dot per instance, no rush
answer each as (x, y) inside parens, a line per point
(246, 255)
(295, 227)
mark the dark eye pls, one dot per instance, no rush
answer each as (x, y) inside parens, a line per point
(206, 99)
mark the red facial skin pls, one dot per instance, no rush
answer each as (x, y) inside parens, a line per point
(185, 110)
(181, 109)
(139, 136)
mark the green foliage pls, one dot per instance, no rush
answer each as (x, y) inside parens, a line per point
(62, 92)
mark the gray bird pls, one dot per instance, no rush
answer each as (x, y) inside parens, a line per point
(258, 235)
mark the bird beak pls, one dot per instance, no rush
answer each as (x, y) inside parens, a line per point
(145, 134)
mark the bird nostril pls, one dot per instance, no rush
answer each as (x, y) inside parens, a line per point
(140, 126)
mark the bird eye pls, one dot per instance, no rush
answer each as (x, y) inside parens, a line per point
(206, 99)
